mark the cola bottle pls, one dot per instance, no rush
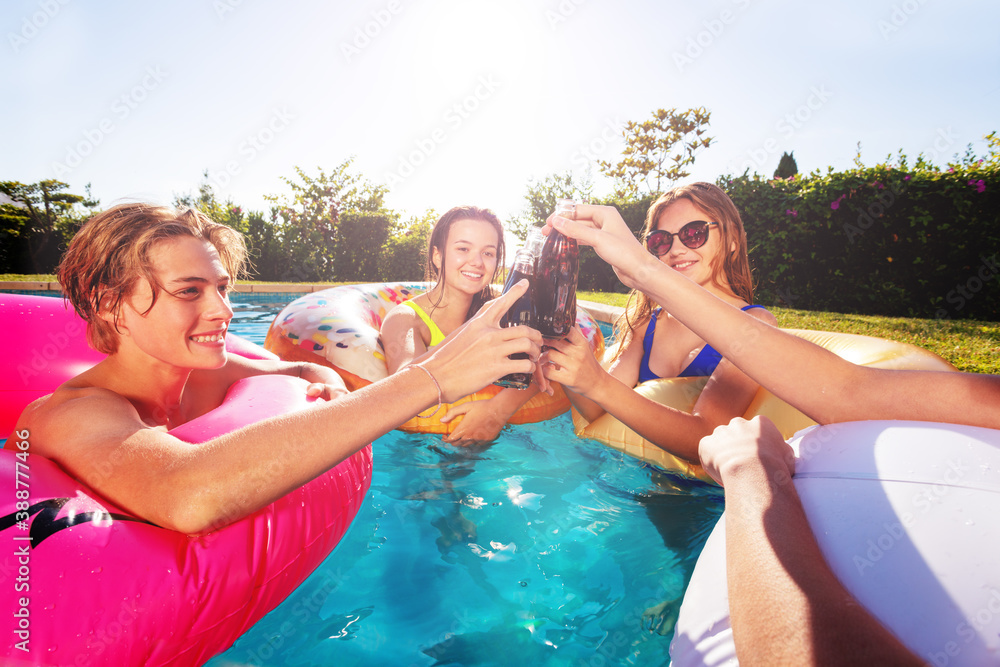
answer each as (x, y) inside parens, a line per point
(521, 312)
(556, 271)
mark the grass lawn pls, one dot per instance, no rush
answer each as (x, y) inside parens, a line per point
(970, 345)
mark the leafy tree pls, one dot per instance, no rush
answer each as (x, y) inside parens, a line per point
(319, 243)
(264, 243)
(403, 254)
(992, 148)
(362, 236)
(35, 220)
(227, 212)
(786, 166)
(541, 200)
(658, 150)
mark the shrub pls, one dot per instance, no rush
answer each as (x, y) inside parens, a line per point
(888, 240)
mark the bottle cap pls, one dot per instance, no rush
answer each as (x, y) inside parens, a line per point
(535, 241)
(566, 208)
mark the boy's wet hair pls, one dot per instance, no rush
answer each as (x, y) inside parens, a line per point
(112, 251)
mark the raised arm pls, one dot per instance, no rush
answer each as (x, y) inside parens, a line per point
(814, 380)
(786, 605)
(194, 488)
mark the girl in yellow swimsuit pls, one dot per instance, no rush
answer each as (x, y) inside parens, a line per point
(464, 253)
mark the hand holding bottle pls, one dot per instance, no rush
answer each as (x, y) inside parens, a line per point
(570, 362)
(522, 312)
(556, 273)
(603, 228)
(479, 351)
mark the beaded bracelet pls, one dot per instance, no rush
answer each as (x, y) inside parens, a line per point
(436, 386)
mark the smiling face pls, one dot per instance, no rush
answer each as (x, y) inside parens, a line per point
(697, 264)
(468, 260)
(186, 326)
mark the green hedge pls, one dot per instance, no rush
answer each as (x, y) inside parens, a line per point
(886, 240)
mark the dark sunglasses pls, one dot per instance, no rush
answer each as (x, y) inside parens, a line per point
(693, 235)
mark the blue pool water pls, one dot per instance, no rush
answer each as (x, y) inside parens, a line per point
(541, 549)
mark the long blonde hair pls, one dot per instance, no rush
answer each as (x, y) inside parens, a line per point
(730, 266)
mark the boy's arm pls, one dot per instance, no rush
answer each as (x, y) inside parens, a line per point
(786, 605)
(192, 488)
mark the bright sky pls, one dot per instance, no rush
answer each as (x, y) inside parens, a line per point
(463, 101)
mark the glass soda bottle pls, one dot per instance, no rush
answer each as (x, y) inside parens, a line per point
(523, 310)
(556, 273)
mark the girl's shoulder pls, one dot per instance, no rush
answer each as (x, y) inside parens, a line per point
(402, 317)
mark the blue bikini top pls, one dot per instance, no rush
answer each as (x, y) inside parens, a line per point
(703, 364)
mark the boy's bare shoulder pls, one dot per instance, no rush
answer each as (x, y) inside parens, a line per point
(74, 414)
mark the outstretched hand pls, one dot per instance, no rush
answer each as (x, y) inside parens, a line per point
(478, 353)
(324, 382)
(570, 362)
(603, 228)
(742, 443)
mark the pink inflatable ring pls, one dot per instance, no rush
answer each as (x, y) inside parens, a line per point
(88, 584)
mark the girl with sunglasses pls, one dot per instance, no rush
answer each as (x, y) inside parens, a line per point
(786, 604)
(696, 231)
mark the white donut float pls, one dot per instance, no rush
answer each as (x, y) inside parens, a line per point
(905, 513)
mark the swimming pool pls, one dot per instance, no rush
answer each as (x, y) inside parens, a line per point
(541, 549)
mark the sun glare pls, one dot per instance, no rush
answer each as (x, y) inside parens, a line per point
(476, 79)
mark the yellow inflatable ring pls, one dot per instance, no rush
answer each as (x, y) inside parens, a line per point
(682, 393)
(339, 328)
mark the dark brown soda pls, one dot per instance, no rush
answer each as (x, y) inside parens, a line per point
(522, 312)
(556, 273)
